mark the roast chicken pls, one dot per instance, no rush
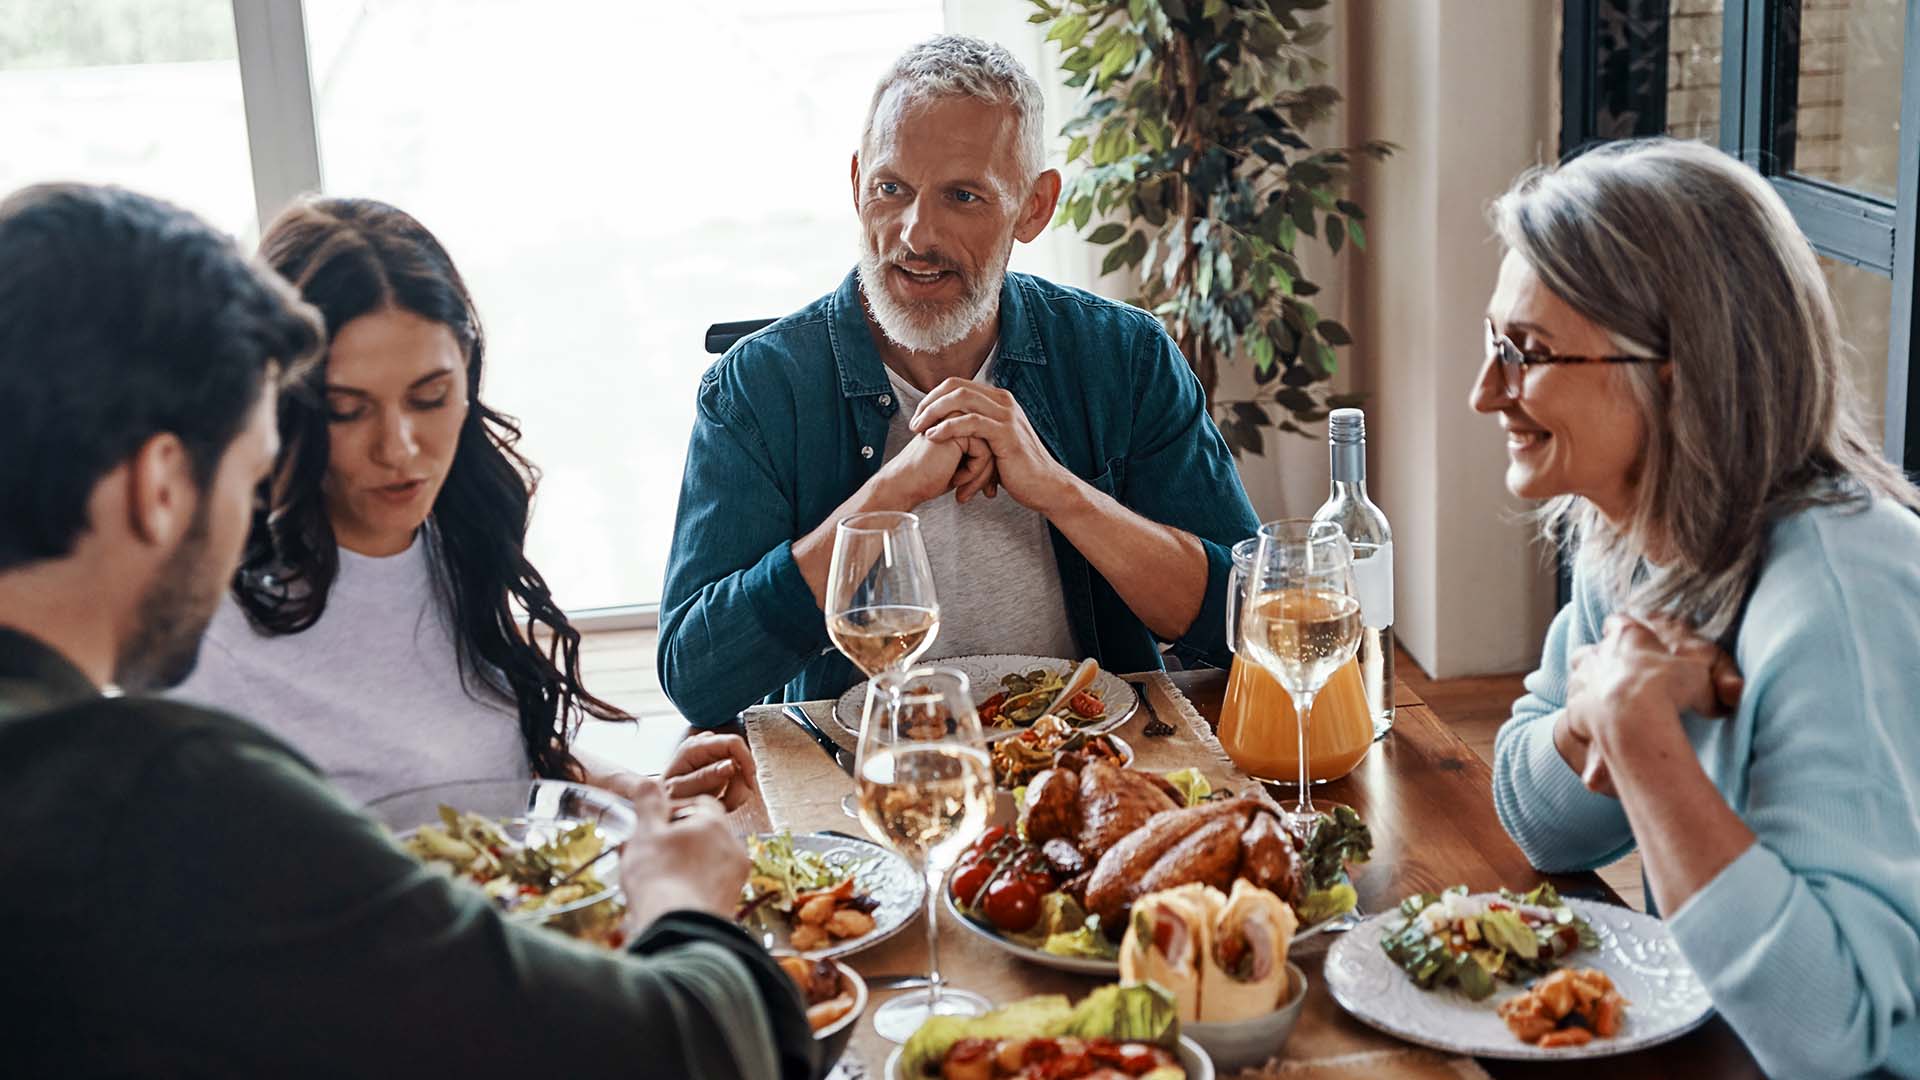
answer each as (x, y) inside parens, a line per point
(1092, 806)
(1213, 843)
(1118, 834)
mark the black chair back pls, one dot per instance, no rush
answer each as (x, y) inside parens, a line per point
(722, 335)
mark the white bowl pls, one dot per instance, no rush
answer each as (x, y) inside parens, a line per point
(1244, 1044)
(1192, 1058)
(834, 1036)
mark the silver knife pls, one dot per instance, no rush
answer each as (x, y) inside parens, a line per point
(840, 755)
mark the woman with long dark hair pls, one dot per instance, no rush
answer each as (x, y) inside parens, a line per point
(375, 621)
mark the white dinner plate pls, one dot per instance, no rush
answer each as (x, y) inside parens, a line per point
(879, 873)
(984, 673)
(1665, 999)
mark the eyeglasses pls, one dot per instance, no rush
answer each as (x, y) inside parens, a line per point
(1514, 362)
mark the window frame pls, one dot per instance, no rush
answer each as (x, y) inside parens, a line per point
(1601, 99)
(276, 84)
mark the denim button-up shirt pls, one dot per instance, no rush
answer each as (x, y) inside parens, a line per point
(793, 420)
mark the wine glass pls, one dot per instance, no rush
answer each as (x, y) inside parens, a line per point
(925, 787)
(1299, 618)
(881, 611)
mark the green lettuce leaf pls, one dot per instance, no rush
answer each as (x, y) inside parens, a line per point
(1191, 784)
(1087, 942)
(1323, 904)
(1506, 930)
(1133, 1013)
(1028, 1018)
(1143, 1013)
(1333, 841)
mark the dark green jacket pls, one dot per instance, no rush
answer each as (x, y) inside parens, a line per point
(794, 419)
(183, 895)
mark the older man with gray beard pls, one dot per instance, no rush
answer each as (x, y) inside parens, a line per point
(1075, 496)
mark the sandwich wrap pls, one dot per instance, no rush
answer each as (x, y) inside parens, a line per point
(1222, 956)
(1168, 937)
(1244, 971)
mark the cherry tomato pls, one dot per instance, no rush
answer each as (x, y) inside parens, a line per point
(969, 877)
(1041, 878)
(1087, 705)
(989, 838)
(990, 708)
(1013, 904)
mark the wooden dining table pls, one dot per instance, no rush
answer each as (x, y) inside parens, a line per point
(1427, 798)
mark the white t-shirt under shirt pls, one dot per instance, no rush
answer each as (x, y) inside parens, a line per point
(372, 692)
(993, 564)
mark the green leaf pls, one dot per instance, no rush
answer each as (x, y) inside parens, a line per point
(1114, 260)
(1312, 34)
(1332, 333)
(1069, 31)
(1038, 17)
(1358, 234)
(1107, 234)
(1137, 10)
(1076, 147)
(1082, 213)
(1336, 235)
(1203, 280)
(1300, 205)
(1259, 348)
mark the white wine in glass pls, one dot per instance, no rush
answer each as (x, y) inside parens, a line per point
(1299, 617)
(884, 636)
(925, 785)
(880, 607)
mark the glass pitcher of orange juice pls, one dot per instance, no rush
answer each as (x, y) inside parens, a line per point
(1258, 728)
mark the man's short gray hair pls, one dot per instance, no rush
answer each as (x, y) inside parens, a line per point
(955, 65)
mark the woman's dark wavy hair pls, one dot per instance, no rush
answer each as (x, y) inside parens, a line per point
(353, 257)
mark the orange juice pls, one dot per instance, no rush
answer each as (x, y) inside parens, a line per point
(1258, 730)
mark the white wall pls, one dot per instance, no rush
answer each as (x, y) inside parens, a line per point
(1468, 91)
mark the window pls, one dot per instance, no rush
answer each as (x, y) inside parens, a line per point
(607, 197)
(610, 176)
(144, 93)
(1821, 96)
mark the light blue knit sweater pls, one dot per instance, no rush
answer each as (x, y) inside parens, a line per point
(1809, 943)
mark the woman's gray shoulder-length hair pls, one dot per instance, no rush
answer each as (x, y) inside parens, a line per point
(1679, 251)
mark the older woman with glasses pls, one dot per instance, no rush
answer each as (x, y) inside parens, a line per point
(1734, 690)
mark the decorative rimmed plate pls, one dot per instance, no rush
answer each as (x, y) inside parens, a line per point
(879, 873)
(1665, 999)
(1079, 965)
(984, 673)
(526, 812)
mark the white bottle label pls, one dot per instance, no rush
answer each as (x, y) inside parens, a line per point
(1373, 584)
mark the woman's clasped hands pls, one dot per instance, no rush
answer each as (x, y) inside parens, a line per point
(1626, 693)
